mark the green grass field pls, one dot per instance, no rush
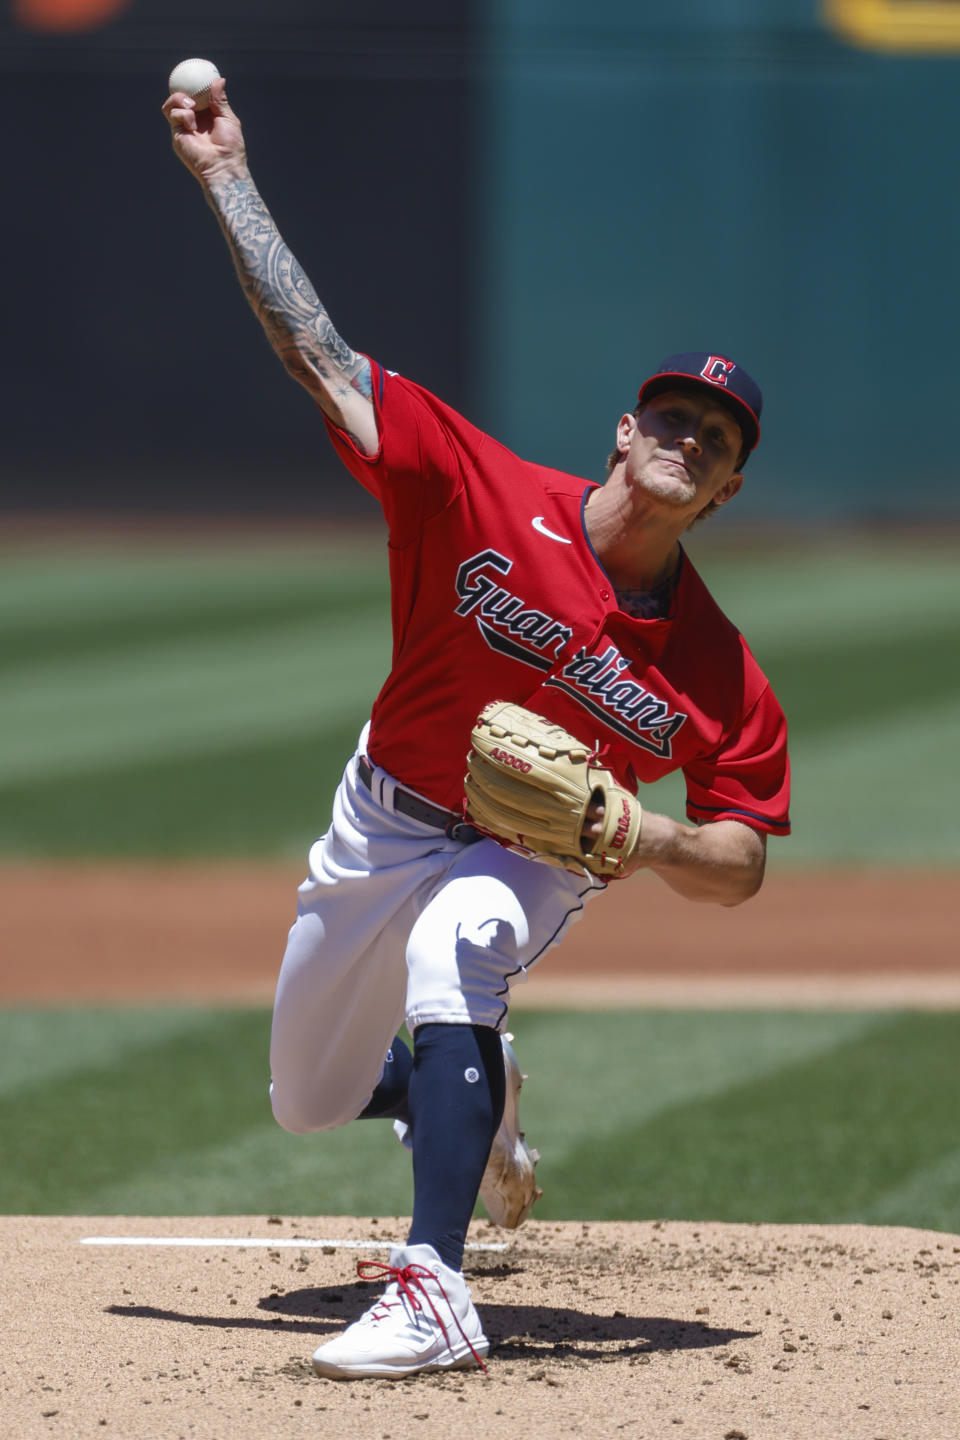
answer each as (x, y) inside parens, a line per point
(806, 1117)
(191, 701)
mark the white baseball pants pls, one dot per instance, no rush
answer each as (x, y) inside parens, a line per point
(397, 921)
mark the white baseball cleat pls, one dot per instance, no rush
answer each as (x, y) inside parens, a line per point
(425, 1320)
(509, 1185)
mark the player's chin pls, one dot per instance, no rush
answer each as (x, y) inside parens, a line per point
(671, 485)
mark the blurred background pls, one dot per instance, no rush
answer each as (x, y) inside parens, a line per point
(524, 206)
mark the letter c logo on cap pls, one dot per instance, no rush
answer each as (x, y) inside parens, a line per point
(717, 370)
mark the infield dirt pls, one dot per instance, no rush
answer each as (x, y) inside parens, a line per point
(716, 1332)
(215, 932)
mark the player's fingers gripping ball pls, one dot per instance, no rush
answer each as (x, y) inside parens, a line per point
(529, 784)
(194, 77)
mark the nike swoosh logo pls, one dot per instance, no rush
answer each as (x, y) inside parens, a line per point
(541, 529)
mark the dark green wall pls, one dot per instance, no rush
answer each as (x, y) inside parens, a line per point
(735, 178)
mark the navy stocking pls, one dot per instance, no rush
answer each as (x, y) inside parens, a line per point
(455, 1098)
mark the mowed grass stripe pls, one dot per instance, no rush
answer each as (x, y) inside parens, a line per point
(864, 681)
(269, 799)
(105, 710)
(793, 601)
(633, 1064)
(333, 1173)
(818, 1141)
(48, 589)
(46, 1046)
(361, 1169)
(181, 1124)
(878, 792)
(780, 1117)
(125, 633)
(67, 1137)
(931, 1190)
(134, 621)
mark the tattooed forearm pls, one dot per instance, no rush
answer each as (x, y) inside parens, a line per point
(282, 297)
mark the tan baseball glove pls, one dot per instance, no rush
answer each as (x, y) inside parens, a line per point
(529, 784)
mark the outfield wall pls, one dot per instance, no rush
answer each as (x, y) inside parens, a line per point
(736, 177)
(523, 203)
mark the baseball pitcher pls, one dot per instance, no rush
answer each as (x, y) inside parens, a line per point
(554, 652)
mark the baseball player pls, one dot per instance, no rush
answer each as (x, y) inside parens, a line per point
(554, 629)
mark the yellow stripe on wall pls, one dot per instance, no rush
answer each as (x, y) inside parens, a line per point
(907, 26)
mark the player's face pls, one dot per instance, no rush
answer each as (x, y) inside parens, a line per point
(682, 450)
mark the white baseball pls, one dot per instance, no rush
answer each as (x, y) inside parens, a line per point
(194, 77)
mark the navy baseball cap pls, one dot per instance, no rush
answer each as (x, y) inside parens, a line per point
(732, 385)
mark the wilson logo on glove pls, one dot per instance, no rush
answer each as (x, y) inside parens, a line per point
(623, 827)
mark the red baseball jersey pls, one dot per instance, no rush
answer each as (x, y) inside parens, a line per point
(497, 594)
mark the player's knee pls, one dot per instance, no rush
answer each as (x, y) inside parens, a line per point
(303, 1114)
(287, 1115)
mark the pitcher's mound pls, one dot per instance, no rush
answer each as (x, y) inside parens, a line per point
(653, 1329)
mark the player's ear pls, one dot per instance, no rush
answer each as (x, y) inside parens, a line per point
(728, 490)
(625, 431)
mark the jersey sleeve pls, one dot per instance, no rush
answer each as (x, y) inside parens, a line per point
(748, 777)
(424, 452)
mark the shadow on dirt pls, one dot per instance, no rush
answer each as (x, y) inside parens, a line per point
(515, 1331)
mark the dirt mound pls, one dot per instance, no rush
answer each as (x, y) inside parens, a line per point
(713, 1332)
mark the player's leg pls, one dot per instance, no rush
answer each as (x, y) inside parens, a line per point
(492, 917)
(508, 1186)
(338, 1005)
(455, 1099)
(389, 1099)
(455, 1104)
(340, 994)
(426, 1319)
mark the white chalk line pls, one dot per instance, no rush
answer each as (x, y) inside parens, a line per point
(260, 1242)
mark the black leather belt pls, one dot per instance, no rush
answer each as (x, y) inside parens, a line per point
(409, 804)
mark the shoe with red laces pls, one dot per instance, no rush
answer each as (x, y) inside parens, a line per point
(425, 1320)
